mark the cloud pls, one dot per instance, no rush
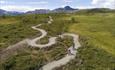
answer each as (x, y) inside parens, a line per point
(20, 8)
(104, 3)
(67, 1)
(2, 2)
(7, 2)
(41, 2)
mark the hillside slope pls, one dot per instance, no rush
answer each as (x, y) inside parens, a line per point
(97, 37)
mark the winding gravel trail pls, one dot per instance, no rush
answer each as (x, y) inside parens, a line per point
(72, 51)
(70, 56)
(33, 42)
(52, 40)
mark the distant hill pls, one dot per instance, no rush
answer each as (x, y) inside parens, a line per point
(101, 10)
(39, 11)
(4, 12)
(96, 10)
(65, 9)
(57, 10)
(14, 13)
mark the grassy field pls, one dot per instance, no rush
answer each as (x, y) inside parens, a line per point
(98, 40)
(97, 36)
(16, 28)
(98, 28)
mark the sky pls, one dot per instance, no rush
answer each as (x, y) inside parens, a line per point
(26, 5)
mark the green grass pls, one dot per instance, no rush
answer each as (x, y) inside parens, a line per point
(28, 58)
(99, 29)
(91, 58)
(34, 58)
(15, 29)
(97, 36)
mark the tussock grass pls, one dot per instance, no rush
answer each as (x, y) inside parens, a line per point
(97, 36)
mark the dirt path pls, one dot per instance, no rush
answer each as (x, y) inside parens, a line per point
(33, 42)
(52, 40)
(70, 56)
(71, 51)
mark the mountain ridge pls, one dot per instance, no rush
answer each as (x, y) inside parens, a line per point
(66, 9)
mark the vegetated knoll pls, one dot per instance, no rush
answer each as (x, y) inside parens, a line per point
(16, 28)
(97, 33)
(99, 28)
(20, 62)
(95, 11)
(97, 37)
(34, 58)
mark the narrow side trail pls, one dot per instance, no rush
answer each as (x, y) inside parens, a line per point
(52, 40)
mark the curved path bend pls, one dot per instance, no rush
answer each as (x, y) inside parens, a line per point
(70, 56)
(33, 42)
(52, 40)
